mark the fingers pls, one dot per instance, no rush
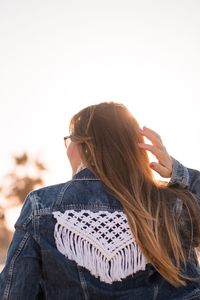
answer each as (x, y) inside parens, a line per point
(163, 171)
(164, 165)
(152, 136)
(157, 151)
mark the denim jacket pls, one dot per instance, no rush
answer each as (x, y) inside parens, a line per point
(64, 241)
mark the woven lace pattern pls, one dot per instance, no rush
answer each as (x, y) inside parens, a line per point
(101, 242)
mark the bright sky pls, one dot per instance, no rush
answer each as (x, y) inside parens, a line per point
(57, 57)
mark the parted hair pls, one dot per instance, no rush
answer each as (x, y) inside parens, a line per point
(164, 219)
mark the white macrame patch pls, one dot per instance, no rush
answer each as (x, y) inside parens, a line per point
(101, 242)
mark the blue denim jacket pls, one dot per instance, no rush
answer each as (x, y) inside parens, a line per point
(36, 267)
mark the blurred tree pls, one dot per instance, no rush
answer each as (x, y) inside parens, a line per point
(27, 174)
(5, 237)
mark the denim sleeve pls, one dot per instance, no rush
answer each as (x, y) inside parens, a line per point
(187, 178)
(21, 276)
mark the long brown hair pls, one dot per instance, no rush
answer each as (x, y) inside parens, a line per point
(164, 220)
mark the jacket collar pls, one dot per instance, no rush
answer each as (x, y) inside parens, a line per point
(85, 173)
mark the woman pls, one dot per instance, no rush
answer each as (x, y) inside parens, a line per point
(113, 231)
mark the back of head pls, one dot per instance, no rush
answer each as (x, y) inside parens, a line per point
(108, 135)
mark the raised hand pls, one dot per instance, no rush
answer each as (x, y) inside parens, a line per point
(164, 165)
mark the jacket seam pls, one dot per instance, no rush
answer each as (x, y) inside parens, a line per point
(83, 283)
(61, 194)
(86, 179)
(12, 265)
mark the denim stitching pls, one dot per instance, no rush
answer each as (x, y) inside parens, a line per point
(156, 289)
(36, 228)
(61, 194)
(91, 207)
(83, 283)
(155, 295)
(28, 220)
(11, 269)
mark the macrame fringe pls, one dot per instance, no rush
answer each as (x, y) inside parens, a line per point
(124, 262)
